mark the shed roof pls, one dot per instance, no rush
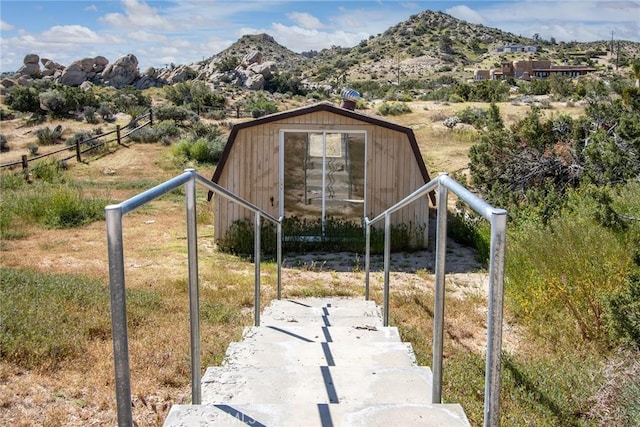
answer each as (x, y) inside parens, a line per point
(321, 106)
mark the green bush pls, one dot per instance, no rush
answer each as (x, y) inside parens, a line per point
(48, 170)
(47, 136)
(568, 271)
(623, 312)
(54, 102)
(393, 108)
(56, 205)
(199, 149)
(177, 114)
(4, 144)
(24, 99)
(259, 105)
(163, 132)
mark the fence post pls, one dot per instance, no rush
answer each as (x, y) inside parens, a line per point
(150, 117)
(25, 167)
(78, 151)
(237, 112)
(118, 134)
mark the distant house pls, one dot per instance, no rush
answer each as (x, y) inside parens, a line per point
(516, 48)
(530, 69)
(319, 162)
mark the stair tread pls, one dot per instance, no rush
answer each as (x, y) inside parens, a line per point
(317, 384)
(319, 333)
(375, 354)
(294, 414)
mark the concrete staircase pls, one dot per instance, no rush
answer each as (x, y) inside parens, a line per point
(318, 362)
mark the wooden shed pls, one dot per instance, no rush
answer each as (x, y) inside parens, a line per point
(322, 161)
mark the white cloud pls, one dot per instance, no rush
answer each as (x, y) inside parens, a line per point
(466, 14)
(71, 34)
(91, 8)
(137, 14)
(305, 20)
(145, 36)
(5, 26)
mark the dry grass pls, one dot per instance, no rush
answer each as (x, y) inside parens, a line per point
(81, 391)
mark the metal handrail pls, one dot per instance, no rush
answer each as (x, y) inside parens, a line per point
(498, 221)
(114, 214)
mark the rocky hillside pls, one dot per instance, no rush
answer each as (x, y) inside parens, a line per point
(422, 47)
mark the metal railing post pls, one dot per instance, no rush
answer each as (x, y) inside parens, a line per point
(387, 262)
(279, 254)
(115, 249)
(367, 258)
(494, 321)
(256, 260)
(194, 297)
(438, 310)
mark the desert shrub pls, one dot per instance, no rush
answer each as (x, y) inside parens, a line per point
(566, 271)
(6, 114)
(129, 97)
(48, 136)
(228, 63)
(49, 318)
(393, 108)
(58, 205)
(4, 144)
(54, 102)
(200, 149)
(105, 111)
(163, 132)
(89, 114)
(78, 137)
(471, 230)
(259, 105)
(473, 116)
(194, 95)
(623, 312)
(47, 170)
(177, 114)
(24, 99)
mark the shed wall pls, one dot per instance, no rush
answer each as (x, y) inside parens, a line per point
(252, 169)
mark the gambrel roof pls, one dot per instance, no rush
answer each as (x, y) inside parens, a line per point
(322, 106)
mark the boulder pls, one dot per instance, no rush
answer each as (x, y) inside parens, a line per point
(73, 75)
(267, 69)
(255, 82)
(124, 71)
(29, 69)
(252, 57)
(31, 58)
(6, 82)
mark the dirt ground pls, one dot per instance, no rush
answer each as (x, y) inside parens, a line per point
(82, 393)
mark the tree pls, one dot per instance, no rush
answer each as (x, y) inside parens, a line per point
(635, 72)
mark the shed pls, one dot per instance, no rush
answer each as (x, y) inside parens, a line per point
(322, 161)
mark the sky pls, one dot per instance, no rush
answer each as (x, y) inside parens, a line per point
(160, 33)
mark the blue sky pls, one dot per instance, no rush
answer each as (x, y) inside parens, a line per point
(165, 32)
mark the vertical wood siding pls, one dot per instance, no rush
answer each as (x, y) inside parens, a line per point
(252, 169)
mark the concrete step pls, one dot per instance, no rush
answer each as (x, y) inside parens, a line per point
(329, 303)
(372, 354)
(317, 384)
(319, 333)
(325, 415)
(331, 311)
(313, 320)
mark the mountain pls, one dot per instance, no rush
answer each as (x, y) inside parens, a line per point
(425, 45)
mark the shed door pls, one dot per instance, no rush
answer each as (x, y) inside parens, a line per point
(323, 176)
